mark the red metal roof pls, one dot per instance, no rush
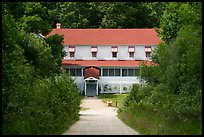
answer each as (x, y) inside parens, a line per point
(108, 36)
(91, 72)
(106, 63)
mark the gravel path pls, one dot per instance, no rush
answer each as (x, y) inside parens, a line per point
(98, 119)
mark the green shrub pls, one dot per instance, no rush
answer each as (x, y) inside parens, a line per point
(33, 100)
(43, 108)
(138, 94)
(188, 106)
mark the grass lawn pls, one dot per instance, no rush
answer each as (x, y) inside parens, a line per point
(113, 97)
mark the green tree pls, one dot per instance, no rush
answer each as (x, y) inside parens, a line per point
(176, 15)
(178, 91)
(35, 18)
(55, 43)
(31, 94)
(78, 14)
(107, 14)
(127, 15)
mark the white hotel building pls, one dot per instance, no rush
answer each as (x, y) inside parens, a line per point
(106, 60)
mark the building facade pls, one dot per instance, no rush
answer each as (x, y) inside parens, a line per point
(106, 60)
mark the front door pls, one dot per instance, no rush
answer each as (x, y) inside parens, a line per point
(91, 89)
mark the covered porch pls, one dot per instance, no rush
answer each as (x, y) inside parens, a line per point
(91, 78)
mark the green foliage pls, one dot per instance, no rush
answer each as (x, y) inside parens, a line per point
(157, 99)
(137, 94)
(38, 53)
(150, 123)
(55, 43)
(45, 108)
(176, 94)
(125, 88)
(190, 39)
(78, 14)
(127, 15)
(107, 14)
(30, 16)
(149, 73)
(35, 16)
(176, 15)
(34, 99)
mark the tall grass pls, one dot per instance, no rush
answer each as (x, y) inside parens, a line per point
(152, 110)
(147, 120)
(150, 123)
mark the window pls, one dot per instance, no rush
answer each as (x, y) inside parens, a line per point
(117, 72)
(71, 48)
(148, 54)
(148, 49)
(114, 51)
(130, 72)
(111, 72)
(131, 50)
(114, 54)
(93, 49)
(124, 72)
(93, 54)
(78, 72)
(131, 54)
(105, 72)
(71, 51)
(71, 54)
(74, 71)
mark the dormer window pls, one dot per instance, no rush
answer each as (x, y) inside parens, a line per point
(94, 51)
(71, 54)
(71, 51)
(114, 51)
(131, 50)
(148, 51)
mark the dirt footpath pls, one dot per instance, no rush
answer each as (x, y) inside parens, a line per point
(98, 119)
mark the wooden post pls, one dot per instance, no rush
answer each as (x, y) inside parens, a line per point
(109, 103)
(116, 103)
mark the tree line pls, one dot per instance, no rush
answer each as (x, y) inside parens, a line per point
(45, 15)
(37, 96)
(174, 86)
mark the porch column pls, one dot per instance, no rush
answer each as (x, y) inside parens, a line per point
(101, 88)
(120, 89)
(85, 88)
(82, 71)
(97, 88)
